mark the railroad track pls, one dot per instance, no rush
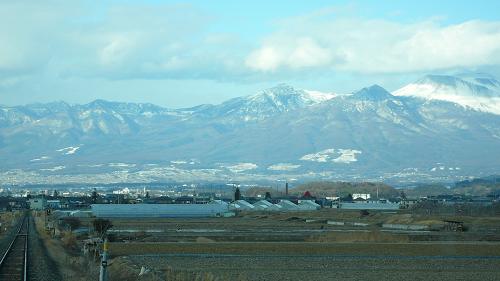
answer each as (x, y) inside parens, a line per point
(14, 262)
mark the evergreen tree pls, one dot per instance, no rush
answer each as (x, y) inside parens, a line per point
(94, 196)
(268, 195)
(403, 195)
(348, 198)
(237, 194)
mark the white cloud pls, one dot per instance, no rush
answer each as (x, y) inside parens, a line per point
(26, 33)
(118, 41)
(377, 46)
(298, 53)
(124, 41)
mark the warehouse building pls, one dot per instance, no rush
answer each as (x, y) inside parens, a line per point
(308, 205)
(264, 205)
(241, 205)
(38, 203)
(287, 205)
(381, 204)
(159, 210)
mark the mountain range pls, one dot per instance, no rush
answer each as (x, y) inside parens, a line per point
(437, 128)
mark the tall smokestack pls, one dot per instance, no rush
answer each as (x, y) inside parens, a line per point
(286, 189)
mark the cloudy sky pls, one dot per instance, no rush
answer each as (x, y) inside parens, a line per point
(179, 54)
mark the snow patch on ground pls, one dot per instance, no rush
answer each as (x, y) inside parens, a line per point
(40, 159)
(121, 165)
(344, 156)
(56, 168)
(283, 167)
(91, 165)
(444, 168)
(181, 162)
(241, 167)
(69, 150)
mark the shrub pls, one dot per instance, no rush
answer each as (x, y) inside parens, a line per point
(69, 241)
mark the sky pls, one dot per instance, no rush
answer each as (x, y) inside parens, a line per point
(180, 54)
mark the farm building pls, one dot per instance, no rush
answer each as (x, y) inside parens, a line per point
(38, 203)
(382, 204)
(365, 196)
(159, 210)
(75, 213)
(264, 205)
(287, 205)
(308, 205)
(241, 205)
(54, 204)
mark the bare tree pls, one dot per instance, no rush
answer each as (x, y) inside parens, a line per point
(101, 226)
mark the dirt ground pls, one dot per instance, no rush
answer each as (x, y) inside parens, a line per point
(259, 267)
(302, 245)
(308, 248)
(71, 265)
(296, 246)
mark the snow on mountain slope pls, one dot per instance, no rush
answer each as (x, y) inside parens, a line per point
(284, 96)
(295, 132)
(269, 102)
(317, 97)
(345, 156)
(479, 91)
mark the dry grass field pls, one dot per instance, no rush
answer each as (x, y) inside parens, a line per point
(302, 245)
(307, 249)
(302, 261)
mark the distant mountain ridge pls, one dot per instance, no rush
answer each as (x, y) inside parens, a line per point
(279, 132)
(480, 91)
(279, 99)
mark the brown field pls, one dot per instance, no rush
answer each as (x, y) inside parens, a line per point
(304, 227)
(307, 261)
(308, 248)
(302, 246)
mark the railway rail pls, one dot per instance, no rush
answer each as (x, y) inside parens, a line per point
(14, 262)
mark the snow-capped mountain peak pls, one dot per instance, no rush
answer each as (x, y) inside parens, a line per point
(372, 93)
(476, 91)
(318, 97)
(266, 103)
(285, 94)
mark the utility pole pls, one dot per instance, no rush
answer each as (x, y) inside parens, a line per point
(103, 274)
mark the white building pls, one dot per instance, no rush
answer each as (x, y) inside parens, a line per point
(159, 210)
(308, 205)
(38, 204)
(54, 204)
(241, 205)
(381, 204)
(287, 205)
(264, 205)
(365, 196)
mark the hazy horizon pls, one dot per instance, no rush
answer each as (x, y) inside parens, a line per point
(195, 102)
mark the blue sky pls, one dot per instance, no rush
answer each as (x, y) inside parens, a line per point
(180, 54)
